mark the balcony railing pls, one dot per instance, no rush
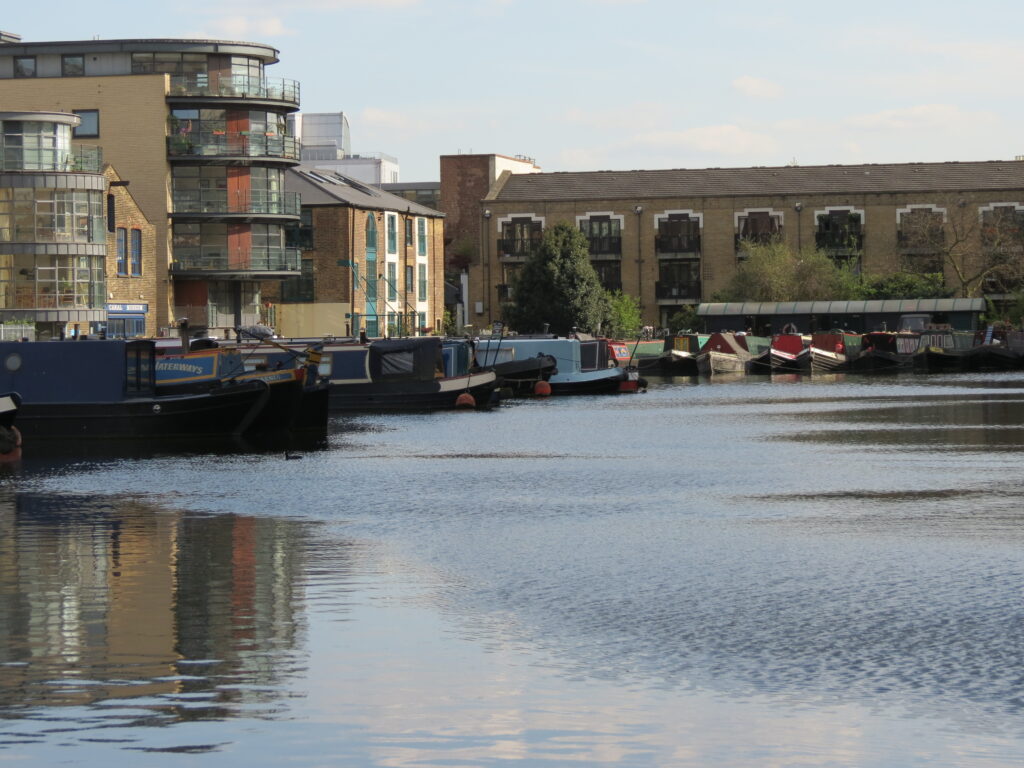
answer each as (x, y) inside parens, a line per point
(82, 158)
(672, 245)
(675, 290)
(212, 258)
(235, 87)
(517, 246)
(839, 241)
(605, 246)
(233, 145)
(221, 202)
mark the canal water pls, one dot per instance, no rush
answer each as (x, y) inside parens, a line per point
(769, 572)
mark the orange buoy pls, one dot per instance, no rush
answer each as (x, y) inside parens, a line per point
(465, 400)
(542, 388)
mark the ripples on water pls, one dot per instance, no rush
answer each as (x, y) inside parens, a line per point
(818, 556)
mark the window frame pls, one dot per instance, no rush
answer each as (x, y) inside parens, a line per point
(64, 65)
(79, 131)
(18, 63)
(121, 237)
(135, 253)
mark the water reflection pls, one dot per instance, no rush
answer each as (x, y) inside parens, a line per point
(161, 616)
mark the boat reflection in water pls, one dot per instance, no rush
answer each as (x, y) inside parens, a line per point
(151, 611)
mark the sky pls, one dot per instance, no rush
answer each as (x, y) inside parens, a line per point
(589, 85)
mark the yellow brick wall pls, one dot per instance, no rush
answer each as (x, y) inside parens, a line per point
(133, 290)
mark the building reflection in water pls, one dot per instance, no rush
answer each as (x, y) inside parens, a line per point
(192, 616)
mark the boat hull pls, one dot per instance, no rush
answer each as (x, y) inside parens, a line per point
(407, 395)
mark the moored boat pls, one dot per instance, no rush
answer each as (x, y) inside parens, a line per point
(789, 353)
(583, 363)
(680, 355)
(519, 375)
(10, 436)
(725, 353)
(831, 352)
(106, 389)
(886, 350)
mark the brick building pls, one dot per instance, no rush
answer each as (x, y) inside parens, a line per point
(371, 261)
(132, 277)
(675, 237)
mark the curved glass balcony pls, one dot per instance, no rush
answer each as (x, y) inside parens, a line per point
(235, 87)
(80, 157)
(212, 259)
(221, 202)
(233, 145)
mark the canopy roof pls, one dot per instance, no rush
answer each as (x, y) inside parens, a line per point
(901, 306)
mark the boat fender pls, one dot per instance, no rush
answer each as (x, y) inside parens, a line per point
(542, 389)
(465, 400)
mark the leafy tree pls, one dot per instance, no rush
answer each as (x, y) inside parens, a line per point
(684, 319)
(904, 285)
(624, 317)
(981, 250)
(774, 272)
(558, 286)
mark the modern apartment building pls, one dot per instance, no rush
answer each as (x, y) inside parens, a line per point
(199, 131)
(53, 233)
(673, 238)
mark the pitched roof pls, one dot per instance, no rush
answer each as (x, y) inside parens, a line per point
(841, 307)
(320, 187)
(806, 180)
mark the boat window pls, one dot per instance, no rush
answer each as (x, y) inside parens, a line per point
(396, 363)
(588, 355)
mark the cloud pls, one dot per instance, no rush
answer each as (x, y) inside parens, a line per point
(714, 139)
(932, 117)
(757, 87)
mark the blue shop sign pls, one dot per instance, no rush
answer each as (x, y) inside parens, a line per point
(121, 309)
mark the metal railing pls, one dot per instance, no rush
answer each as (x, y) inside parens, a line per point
(677, 244)
(839, 240)
(218, 259)
(235, 87)
(243, 202)
(677, 290)
(237, 144)
(82, 158)
(605, 246)
(517, 246)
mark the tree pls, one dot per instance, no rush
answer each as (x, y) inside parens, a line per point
(685, 319)
(774, 272)
(904, 285)
(558, 286)
(624, 317)
(980, 248)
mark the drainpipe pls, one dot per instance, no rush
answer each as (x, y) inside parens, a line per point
(639, 210)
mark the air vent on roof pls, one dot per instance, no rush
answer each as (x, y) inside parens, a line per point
(1019, 157)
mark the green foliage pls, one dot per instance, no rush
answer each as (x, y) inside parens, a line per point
(461, 254)
(624, 317)
(773, 272)
(904, 285)
(557, 285)
(684, 320)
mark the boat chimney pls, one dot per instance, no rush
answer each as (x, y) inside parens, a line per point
(183, 333)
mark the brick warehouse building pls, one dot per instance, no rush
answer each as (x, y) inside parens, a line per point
(199, 131)
(674, 237)
(371, 261)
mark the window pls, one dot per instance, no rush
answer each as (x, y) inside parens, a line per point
(421, 237)
(408, 232)
(839, 230)
(408, 279)
(609, 273)
(422, 293)
(392, 278)
(921, 230)
(678, 279)
(72, 65)
(392, 233)
(24, 66)
(520, 236)
(89, 128)
(301, 235)
(604, 234)
(135, 266)
(678, 234)
(122, 251)
(299, 290)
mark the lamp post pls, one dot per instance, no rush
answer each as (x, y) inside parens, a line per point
(799, 240)
(486, 255)
(639, 211)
